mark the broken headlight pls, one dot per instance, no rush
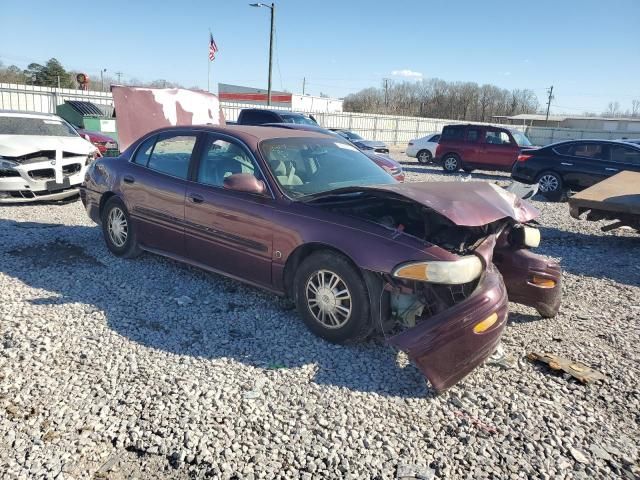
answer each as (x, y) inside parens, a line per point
(523, 235)
(92, 157)
(449, 273)
(7, 164)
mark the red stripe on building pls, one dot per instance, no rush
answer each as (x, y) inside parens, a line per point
(254, 97)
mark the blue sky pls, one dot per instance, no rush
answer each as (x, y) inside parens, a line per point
(589, 50)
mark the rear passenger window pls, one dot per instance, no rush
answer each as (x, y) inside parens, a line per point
(473, 135)
(435, 138)
(625, 155)
(144, 151)
(171, 155)
(587, 150)
(452, 133)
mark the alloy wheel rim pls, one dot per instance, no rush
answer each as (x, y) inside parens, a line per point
(117, 227)
(329, 299)
(450, 163)
(548, 183)
(424, 157)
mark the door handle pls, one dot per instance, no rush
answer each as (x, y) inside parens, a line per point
(566, 164)
(129, 179)
(195, 198)
(611, 169)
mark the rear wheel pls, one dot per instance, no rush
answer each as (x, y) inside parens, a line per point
(119, 234)
(332, 298)
(424, 156)
(550, 185)
(451, 163)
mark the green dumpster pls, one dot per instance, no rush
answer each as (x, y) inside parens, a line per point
(93, 122)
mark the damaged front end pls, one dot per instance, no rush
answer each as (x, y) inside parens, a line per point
(448, 313)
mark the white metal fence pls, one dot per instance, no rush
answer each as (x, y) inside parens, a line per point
(386, 128)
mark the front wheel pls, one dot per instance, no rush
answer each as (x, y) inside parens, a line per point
(119, 234)
(424, 157)
(332, 298)
(550, 185)
(451, 163)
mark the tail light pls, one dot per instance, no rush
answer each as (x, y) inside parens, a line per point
(524, 157)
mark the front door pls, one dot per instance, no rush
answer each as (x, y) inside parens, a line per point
(500, 150)
(154, 186)
(228, 231)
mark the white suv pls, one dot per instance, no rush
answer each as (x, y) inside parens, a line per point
(41, 157)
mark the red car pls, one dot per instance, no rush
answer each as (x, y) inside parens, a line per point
(310, 216)
(106, 145)
(482, 147)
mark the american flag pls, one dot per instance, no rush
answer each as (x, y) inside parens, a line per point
(213, 48)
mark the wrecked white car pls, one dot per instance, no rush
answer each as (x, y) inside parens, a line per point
(41, 157)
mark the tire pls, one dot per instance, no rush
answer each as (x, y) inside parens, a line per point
(550, 185)
(118, 231)
(424, 157)
(319, 306)
(451, 163)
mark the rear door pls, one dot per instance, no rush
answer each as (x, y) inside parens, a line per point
(228, 231)
(499, 149)
(472, 146)
(154, 188)
(583, 164)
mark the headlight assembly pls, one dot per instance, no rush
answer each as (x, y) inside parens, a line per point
(7, 164)
(447, 272)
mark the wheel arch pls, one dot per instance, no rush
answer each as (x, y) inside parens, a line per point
(103, 201)
(303, 251)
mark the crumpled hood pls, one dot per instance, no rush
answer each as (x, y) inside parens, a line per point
(468, 204)
(19, 145)
(96, 136)
(383, 160)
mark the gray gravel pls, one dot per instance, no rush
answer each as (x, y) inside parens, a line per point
(146, 368)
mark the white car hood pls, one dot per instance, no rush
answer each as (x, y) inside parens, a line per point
(19, 145)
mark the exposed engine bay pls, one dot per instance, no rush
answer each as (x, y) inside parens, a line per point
(408, 303)
(406, 216)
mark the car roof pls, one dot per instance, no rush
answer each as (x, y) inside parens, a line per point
(23, 114)
(280, 112)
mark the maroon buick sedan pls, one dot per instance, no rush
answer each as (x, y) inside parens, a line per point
(307, 215)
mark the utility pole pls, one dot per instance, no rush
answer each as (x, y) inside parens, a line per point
(273, 13)
(550, 92)
(102, 71)
(386, 96)
(119, 75)
(304, 81)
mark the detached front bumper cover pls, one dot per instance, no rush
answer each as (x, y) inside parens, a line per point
(445, 347)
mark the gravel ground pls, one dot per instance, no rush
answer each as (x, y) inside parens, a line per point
(146, 368)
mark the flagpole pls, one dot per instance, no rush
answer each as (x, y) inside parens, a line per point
(209, 68)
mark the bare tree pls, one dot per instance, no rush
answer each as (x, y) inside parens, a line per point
(613, 109)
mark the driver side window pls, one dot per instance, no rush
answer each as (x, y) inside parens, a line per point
(221, 158)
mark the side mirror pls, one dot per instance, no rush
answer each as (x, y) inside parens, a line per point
(244, 182)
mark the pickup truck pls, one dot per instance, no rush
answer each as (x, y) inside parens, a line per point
(258, 116)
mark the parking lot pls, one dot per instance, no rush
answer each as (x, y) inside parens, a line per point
(113, 368)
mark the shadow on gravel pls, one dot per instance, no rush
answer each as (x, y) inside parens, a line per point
(523, 318)
(216, 317)
(600, 256)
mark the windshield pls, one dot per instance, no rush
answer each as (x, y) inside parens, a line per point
(352, 136)
(305, 166)
(49, 127)
(299, 119)
(520, 138)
